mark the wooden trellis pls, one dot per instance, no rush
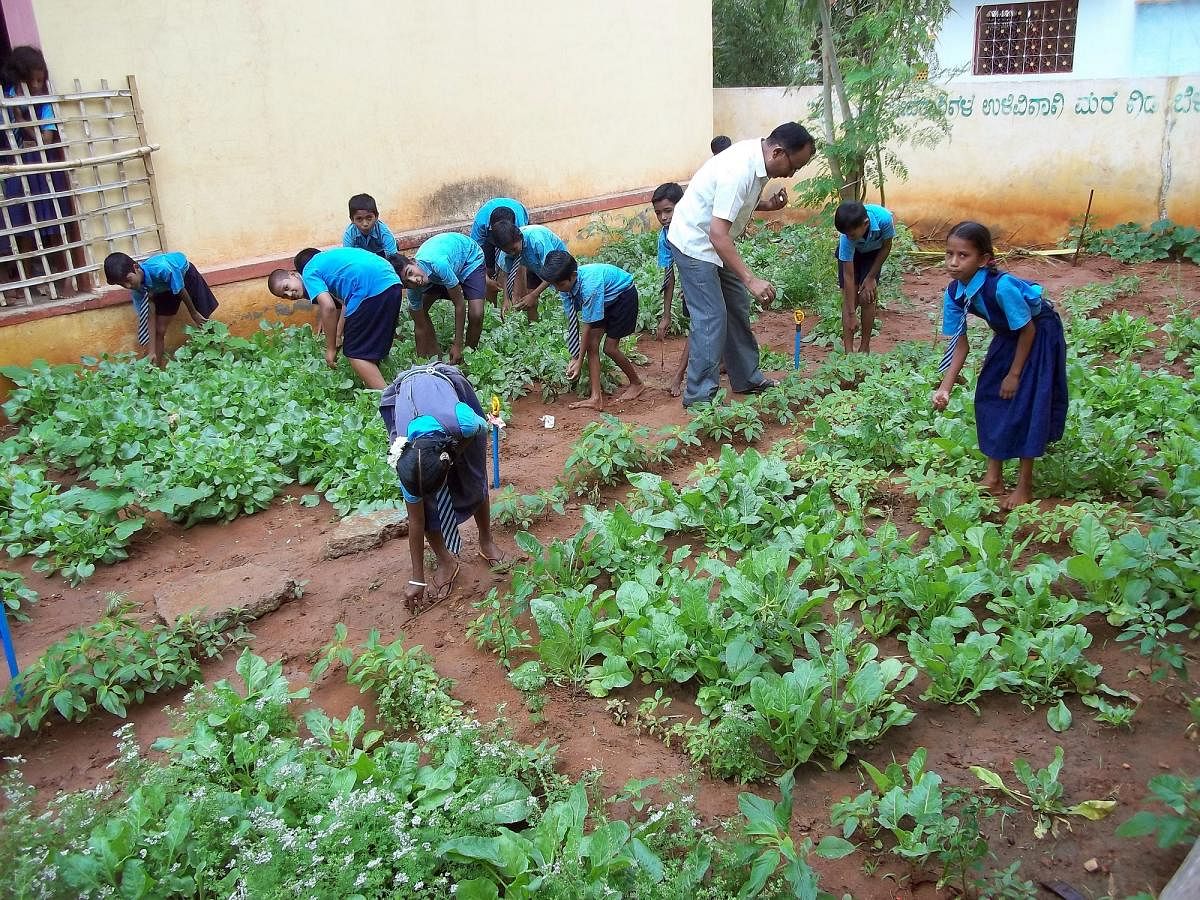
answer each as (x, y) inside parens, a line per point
(74, 194)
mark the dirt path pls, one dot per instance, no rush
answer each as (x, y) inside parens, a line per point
(364, 592)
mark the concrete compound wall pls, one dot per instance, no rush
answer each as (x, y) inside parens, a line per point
(271, 114)
(1022, 156)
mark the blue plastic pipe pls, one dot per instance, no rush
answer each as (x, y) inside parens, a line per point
(495, 456)
(799, 338)
(9, 653)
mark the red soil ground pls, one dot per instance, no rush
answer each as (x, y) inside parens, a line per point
(364, 591)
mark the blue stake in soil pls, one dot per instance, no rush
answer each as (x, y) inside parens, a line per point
(798, 315)
(9, 653)
(495, 443)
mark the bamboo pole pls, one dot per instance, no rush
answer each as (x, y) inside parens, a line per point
(1083, 228)
(103, 159)
(136, 101)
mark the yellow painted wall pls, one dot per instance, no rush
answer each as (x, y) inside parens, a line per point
(271, 113)
(1022, 156)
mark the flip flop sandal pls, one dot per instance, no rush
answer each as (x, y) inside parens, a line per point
(496, 565)
(765, 385)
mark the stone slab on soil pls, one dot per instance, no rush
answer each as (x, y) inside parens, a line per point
(257, 589)
(355, 534)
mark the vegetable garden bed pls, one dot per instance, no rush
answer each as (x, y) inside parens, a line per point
(868, 508)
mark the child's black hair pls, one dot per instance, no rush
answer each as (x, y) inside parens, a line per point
(849, 215)
(502, 214)
(364, 202)
(303, 258)
(118, 267)
(979, 237)
(424, 463)
(276, 279)
(398, 261)
(505, 233)
(20, 64)
(719, 143)
(669, 191)
(559, 266)
(791, 136)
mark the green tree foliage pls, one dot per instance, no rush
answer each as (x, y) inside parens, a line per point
(877, 57)
(759, 43)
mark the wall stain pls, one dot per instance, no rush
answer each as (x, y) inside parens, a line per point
(461, 199)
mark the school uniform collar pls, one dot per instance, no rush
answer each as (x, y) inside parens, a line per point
(971, 288)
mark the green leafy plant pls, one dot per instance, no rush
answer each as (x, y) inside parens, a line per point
(112, 664)
(1044, 795)
(842, 695)
(771, 846)
(1130, 242)
(1180, 824)
(16, 594)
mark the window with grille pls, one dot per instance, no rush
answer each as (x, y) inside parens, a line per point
(1023, 38)
(77, 184)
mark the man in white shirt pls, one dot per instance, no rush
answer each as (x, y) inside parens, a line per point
(714, 211)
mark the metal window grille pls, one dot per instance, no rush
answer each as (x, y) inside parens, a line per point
(78, 184)
(1020, 38)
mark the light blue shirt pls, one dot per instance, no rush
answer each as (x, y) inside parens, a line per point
(882, 228)
(538, 243)
(665, 259)
(597, 285)
(469, 422)
(481, 227)
(1021, 300)
(378, 240)
(43, 110)
(161, 274)
(349, 275)
(447, 259)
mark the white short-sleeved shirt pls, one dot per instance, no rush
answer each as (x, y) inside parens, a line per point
(728, 186)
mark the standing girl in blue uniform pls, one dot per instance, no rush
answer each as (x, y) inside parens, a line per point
(438, 435)
(1021, 397)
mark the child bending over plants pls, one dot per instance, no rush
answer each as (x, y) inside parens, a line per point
(664, 199)
(866, 242)
(1021, 397)
(158, 285)
(439, 449)
(599, 300)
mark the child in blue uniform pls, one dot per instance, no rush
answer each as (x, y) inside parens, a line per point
(158, 285)
(598, 300)
(865, 244)
(523, 253)
(1021, 397)
(663, 200)
(498, 209)
(438, 436)
(450, 266)
(354, 284)
(366, 230)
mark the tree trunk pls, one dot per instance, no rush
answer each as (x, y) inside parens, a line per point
(835, 169)
(849, 184)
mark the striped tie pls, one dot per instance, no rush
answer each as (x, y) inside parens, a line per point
(142, 310)
(573, 330)
(447, 520)
(510, 286)
(948, 356)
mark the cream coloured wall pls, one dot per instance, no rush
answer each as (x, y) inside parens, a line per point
(271, 114)
(1022, 156)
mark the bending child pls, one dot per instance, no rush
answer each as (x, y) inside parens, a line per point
(865, 244)
(366, 230)
(523, 258)
(438, 436)
(599, 300)
(664, 199)
(158, 285)
(450, 266)
(355, 285)
(1021, 397)
(496, 210)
